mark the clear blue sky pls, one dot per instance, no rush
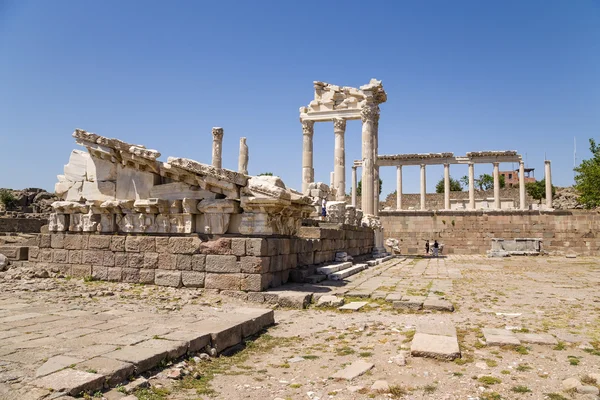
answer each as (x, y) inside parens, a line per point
(460, 76)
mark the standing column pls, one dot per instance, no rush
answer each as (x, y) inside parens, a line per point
(496, 186)
(308, 172)
(354, 185)
(243, 157)
(217, 159)
(339, 166)
(446, 186)
(399, 187)
(522, 204)
(423, 188)
(376, 170)
(471, 186)
(369, 116)
(548, 178)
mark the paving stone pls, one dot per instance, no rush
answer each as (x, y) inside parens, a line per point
(353, 370)
(437, 304)
(330, 301)
(143, 358)
(195, 342)
(56, 364)
(537, 338)
(298, 300)
(379, 295)
(174, 349)
(71, 381)
(115, 371)
(139, 383)
(410, 302)
(500, 337)
(354, 306)
(380, 386)
(436, 328)
(393, 297)
(435, 346)
(363, 294)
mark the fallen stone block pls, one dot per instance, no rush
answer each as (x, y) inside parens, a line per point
(437, 304)
(410, 302)
(435, 346)
(500, 337)
(330, 301)
(71, 381)
(354, 306)
(393, 297)
(537, 338)
(436, 328)
(357, 368)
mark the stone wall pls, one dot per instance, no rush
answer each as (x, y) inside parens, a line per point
(226, 263)
(472, 232)
(22, 225)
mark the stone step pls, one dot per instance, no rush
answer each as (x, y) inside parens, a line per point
(339, 275)
(329, 269)
(315, 278)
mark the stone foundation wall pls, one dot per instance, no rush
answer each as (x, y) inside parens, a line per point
(22, 225)
(472, 232)
(226, 263)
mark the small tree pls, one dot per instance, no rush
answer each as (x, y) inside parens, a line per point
(537, 189)
(587, 180)
(7, 198)
(486, 182)
(359, 187)
(465, 181)
(265, 174)
(455, 186)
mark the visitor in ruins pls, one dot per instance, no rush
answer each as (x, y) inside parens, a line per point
(426, 247)
(436, 246)
(324, 209)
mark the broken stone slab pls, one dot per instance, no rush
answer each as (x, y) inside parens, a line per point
(143, 358)
(353, 306)
(115, 371)
(195, 342)
(357, 368)
(435, 346)
(571, 383)
(537, 338)
(56, 364)
(393, 297)
(330, 301)
(71, 381)
(437, 304)
(289, 299)
(500, 337)
(436, 328)
(410, 302)
(174, 349)
(380, 386)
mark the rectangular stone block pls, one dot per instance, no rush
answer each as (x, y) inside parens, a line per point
(99, 242)
(146, 276)
(92, 257)
(16, 253)
(140, 243)
(45, 241)
(256, 247)
(167, 261)
(109, 259)
(75, 256)
(115, 274)
(193, 278)
(167, 278)
(238, 246)
(162, 244)
(117, 243)
(222, 264)
(254, 282)
(150, 260)
(57, 240)
(100, 273)
(120, 259)
(75, 241)
(34, 252)
(223, 281)
(184, 262)
(254, 265)
(131, 275)
(184, 245)
(60, 256)
(135, 260)
(199, 262)
(81, 271)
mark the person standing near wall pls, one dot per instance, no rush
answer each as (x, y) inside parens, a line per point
(436, 247)
(427, 247)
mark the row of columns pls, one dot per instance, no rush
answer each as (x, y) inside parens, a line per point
(496, 176)
(370, 170)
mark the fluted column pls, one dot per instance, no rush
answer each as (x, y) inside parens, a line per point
(471, 186)
(354, 185)
(308, 172)
(496, 186)
(548, 178)
(522, 204)
(376, 169)
(423, 187)
(217, 158)
(339, 166)
(399, 187)
(446, 186)
(369, 116)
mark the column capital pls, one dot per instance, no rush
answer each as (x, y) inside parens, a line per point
(370, 113)
(354, 167)
(521, 163)
(307, 127)
(547, 162)
(339, 125)
(217, 133)
(446, 164)
(496, 163)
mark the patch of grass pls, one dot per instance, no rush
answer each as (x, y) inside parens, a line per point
(457, 374)
(89, 278)
(310, 357)
(430, 388)
(397, 391)
(490, 396)
(573, 360)
(409, 335)
(555, 396)
(152, 393)
(521, 349)
(588, 380)
(91, 371)
(505, 372)
(296, 385)
(464, 360)
(365, 354)
(345, 351)
(523, 367)
(520, 389)
(489, 380)
(560, 346)
(491, 363)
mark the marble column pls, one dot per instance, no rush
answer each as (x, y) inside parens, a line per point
(243, 157)
(376, 170)
(522, 204)
(446, 186)
(496, 186)
(423, 187)
(369, 117)
(471, 186)
(308, 172)
(354, 185)
(217, 147)
(339, 166)
(399, 187)
(548, 178)
(332, 180)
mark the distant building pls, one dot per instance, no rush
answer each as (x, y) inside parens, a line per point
(511, 178)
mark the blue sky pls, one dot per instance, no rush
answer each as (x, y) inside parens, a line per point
(460, 76)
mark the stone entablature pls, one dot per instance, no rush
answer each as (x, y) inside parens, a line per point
(480, 157)
(236, 263)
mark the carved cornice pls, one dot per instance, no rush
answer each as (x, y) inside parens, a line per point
(308, 127)
(339, 125)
